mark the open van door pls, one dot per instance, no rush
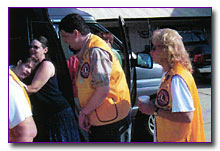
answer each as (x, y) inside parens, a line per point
(128, 61)
(131, 61)
(125, 41)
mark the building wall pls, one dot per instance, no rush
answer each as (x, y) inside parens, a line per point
(139, 34)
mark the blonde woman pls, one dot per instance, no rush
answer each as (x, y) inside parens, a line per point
(177, 106)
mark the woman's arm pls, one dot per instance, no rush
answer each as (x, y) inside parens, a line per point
(150, 108)
(185, 117)
(43, 74)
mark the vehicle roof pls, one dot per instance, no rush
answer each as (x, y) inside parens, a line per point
(56, 14)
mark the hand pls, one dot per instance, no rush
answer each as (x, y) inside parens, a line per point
(148, 108)
(84, 122)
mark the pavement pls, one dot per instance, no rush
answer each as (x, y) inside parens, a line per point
(206, 104)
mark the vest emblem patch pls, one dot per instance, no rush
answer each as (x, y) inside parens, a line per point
(85, 70)
(163, 98)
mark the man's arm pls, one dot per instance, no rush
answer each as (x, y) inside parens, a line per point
(94, 102)
(24, 131)
(96, 99)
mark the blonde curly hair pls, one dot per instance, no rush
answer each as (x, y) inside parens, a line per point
(173, 47)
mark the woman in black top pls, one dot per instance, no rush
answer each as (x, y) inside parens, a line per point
(52, 113)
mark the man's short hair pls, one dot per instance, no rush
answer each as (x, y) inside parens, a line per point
(72, 22)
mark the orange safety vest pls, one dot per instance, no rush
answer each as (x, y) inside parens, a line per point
(116, 106)
(169, 131)
(16, 79)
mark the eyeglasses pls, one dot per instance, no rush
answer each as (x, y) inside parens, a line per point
(155, 47)
(34, 47)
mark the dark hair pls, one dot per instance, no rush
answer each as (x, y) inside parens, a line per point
(26, 58)
(106, 36)
(43, 40)
(72, 22)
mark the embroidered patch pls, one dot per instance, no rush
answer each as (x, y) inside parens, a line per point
(163, 98)
(85, 70)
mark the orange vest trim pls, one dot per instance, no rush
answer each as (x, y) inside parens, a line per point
(169, 131)
(116, 106)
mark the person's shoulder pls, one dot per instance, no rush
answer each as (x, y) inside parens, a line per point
(94, 51)
(47, 64)
(47, 67)
(13, 84)
(16, 94)
(178, 80)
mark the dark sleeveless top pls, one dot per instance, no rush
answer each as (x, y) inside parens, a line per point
(49, 99)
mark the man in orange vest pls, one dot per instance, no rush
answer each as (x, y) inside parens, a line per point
(101, 84)
(177, 106)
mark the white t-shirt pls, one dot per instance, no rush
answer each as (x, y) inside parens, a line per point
(181, 96)
(19, 108)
